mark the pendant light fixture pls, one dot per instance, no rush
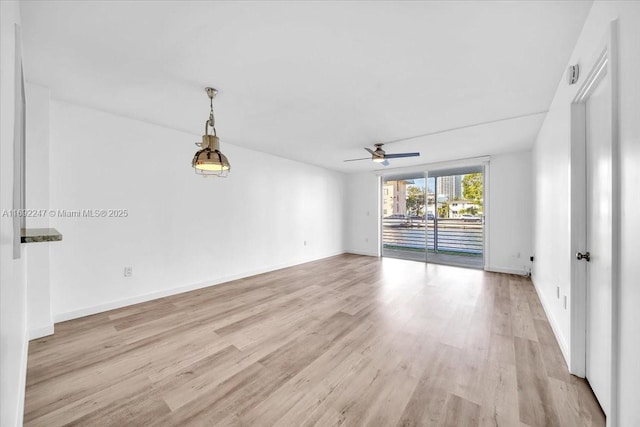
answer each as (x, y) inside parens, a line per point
(209, 160)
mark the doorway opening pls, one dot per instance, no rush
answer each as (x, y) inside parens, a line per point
(595, 234)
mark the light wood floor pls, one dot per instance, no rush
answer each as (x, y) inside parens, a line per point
(349, 340)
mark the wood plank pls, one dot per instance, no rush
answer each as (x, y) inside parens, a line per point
(499, 405)
(460, 412)
(534, 394)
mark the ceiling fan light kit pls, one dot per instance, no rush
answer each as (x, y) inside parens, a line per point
(209, 160)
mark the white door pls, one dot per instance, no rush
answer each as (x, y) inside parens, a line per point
(599, 240)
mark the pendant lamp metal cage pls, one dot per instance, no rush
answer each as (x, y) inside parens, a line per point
(209, 160)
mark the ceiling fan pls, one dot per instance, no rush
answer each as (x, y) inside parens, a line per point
(380, 156)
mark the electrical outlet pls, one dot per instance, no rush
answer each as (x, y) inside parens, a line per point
(128, 271)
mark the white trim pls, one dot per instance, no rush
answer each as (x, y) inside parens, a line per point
(603, 62)
(44, 331)
(564, 348)
(426, 212)
(112, 305)
(22, 385)
(380, 215)
(617, 221)
(486, 214)
(578, 225)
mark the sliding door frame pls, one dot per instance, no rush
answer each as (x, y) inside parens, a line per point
(425, 169)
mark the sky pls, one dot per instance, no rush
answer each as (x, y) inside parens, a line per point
(420, 184)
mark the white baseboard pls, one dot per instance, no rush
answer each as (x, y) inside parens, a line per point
(112, 305)
(40, 332)
(564, 348)
(23, 379)
(506, 270)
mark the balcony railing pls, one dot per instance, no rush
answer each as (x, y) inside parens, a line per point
(458, 236)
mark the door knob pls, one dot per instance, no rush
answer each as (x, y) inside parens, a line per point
(583, 256)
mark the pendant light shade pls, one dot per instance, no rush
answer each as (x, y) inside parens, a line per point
(206, 161)
(209, 160)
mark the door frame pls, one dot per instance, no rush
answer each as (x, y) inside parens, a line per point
(603, 62)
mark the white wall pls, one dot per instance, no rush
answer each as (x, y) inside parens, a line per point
(183, 231)
(363, 214)
(552, 196)
(13, 309)
(509, 224)
(40, 321)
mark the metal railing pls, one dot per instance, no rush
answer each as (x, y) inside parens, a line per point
(451, 235)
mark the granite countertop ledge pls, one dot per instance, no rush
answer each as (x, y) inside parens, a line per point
(35, 235)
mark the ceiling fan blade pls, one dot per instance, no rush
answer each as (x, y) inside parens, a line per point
(353, 160)
(385, 163)
(400, 155)
(370, 151)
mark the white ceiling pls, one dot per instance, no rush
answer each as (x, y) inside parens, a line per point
(314, 81)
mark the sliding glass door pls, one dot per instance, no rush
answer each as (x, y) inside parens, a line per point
(436, 216)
